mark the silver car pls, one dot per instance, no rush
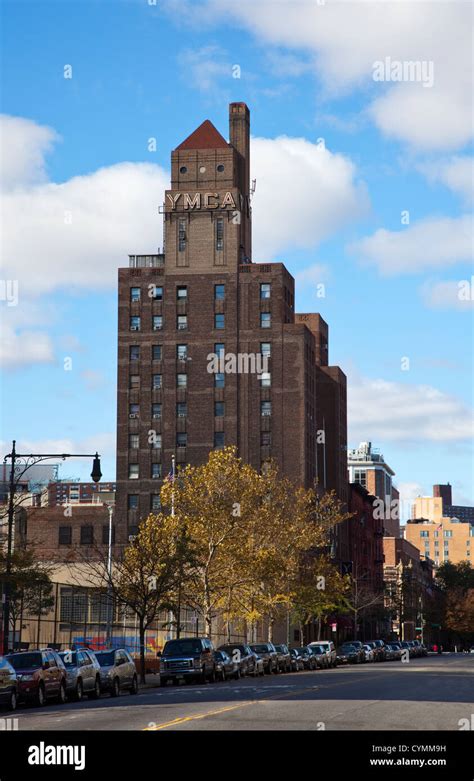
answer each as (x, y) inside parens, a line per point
(117, 671)
(82, 673)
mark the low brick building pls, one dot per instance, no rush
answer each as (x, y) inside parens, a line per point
(63, 534)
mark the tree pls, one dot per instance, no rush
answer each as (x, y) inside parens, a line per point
(456, 582)
(147, 574)
(214, 503)
(362, 600)
(319, 589)
(30, 586)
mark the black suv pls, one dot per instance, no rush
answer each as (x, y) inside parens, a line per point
(189, 658)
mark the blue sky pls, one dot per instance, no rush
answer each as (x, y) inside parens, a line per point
(142, 71)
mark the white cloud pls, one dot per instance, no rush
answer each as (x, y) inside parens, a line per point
(23, 146)
(381, 410)
(203, 67)
(430, 243)
(320, 195)
(345, 39)
(24, 347)
(457, 173)
(446, 295)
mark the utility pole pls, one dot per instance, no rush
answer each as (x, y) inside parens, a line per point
(108, 635)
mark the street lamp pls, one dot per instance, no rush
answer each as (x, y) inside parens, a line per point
(28, 460)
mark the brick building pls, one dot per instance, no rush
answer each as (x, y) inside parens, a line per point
(204, 295)
(367, 466)
(64, 492)
(59, 534)
(409, 588)
(441, 505)
(443, 539)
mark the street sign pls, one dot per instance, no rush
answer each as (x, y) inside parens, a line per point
(334, 627)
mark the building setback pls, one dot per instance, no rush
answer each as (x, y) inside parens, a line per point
(204, 295)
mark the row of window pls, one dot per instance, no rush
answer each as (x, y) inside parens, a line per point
(182, 409)
(182, 351)
(86, 535)
(156, 292)
(181, 441)
(182, 322)
(446, 533)
(264, 378)
(155, 502)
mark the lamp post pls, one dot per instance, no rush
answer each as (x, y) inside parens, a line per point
(109, 578)
(28, 460)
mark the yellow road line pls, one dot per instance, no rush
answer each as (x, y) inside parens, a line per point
(278, 696)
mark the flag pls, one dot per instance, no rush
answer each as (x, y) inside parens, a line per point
(170, 477)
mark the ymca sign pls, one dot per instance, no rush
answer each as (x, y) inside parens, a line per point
(201, 200)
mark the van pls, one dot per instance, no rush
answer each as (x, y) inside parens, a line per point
(330, 649)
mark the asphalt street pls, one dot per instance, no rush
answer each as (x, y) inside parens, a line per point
(432, 693)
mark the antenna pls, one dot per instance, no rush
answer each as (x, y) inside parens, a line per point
(253, 186)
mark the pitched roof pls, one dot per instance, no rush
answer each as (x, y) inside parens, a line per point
(204, 137)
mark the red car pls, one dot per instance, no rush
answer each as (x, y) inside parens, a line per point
(40, 675)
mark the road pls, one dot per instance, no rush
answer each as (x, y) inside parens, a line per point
(432, 693)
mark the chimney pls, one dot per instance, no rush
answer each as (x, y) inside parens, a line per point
(239, 137)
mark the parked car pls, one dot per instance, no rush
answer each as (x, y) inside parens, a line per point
(355, 654)
(471, 650)
(243, 655)
(117, 671)
(8, 685)
(284, 658)
(393, 652)
(406, 647)
(297, 661)
(381, 648)
(40, 675)
(260, 667)
(82, 673)
(320, 654)
(188, 658)
(369, 653)
(341, 655)
(269, 655)
(309, 660)
(225, 666)
(330, 649)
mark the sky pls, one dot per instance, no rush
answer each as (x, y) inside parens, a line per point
(364, 185)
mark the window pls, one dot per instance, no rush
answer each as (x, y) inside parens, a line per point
(265, 290)
(266, 349)
(219, 321)
(265, 438)
(135, 323)
(219, 234)
(157, 381)
(157, 293)
(219, 349)
(360, 476)
(132, 502)
(134, 381)
(65, 535)
(182, 322)
(181, 380)
(181, 235)
(105, 534)
(219, 292)
(133, 472)
(87, 535)
(156, 411)
(134, 294)
(157, 322)
(183, 169)
(156, 352)
(218, 439)
(219, 380)
(156, 442)
(219, 409)
(265, 379)
(134, 441)
(181, 409)
(181, 352)
(155, 502)
(265, 408)
(133, 410)
(155, 471)
(134, 352)
(448, 533)
(181, 439)
(424, 534)
(436, 534)
(265, 320)
(181, 292)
